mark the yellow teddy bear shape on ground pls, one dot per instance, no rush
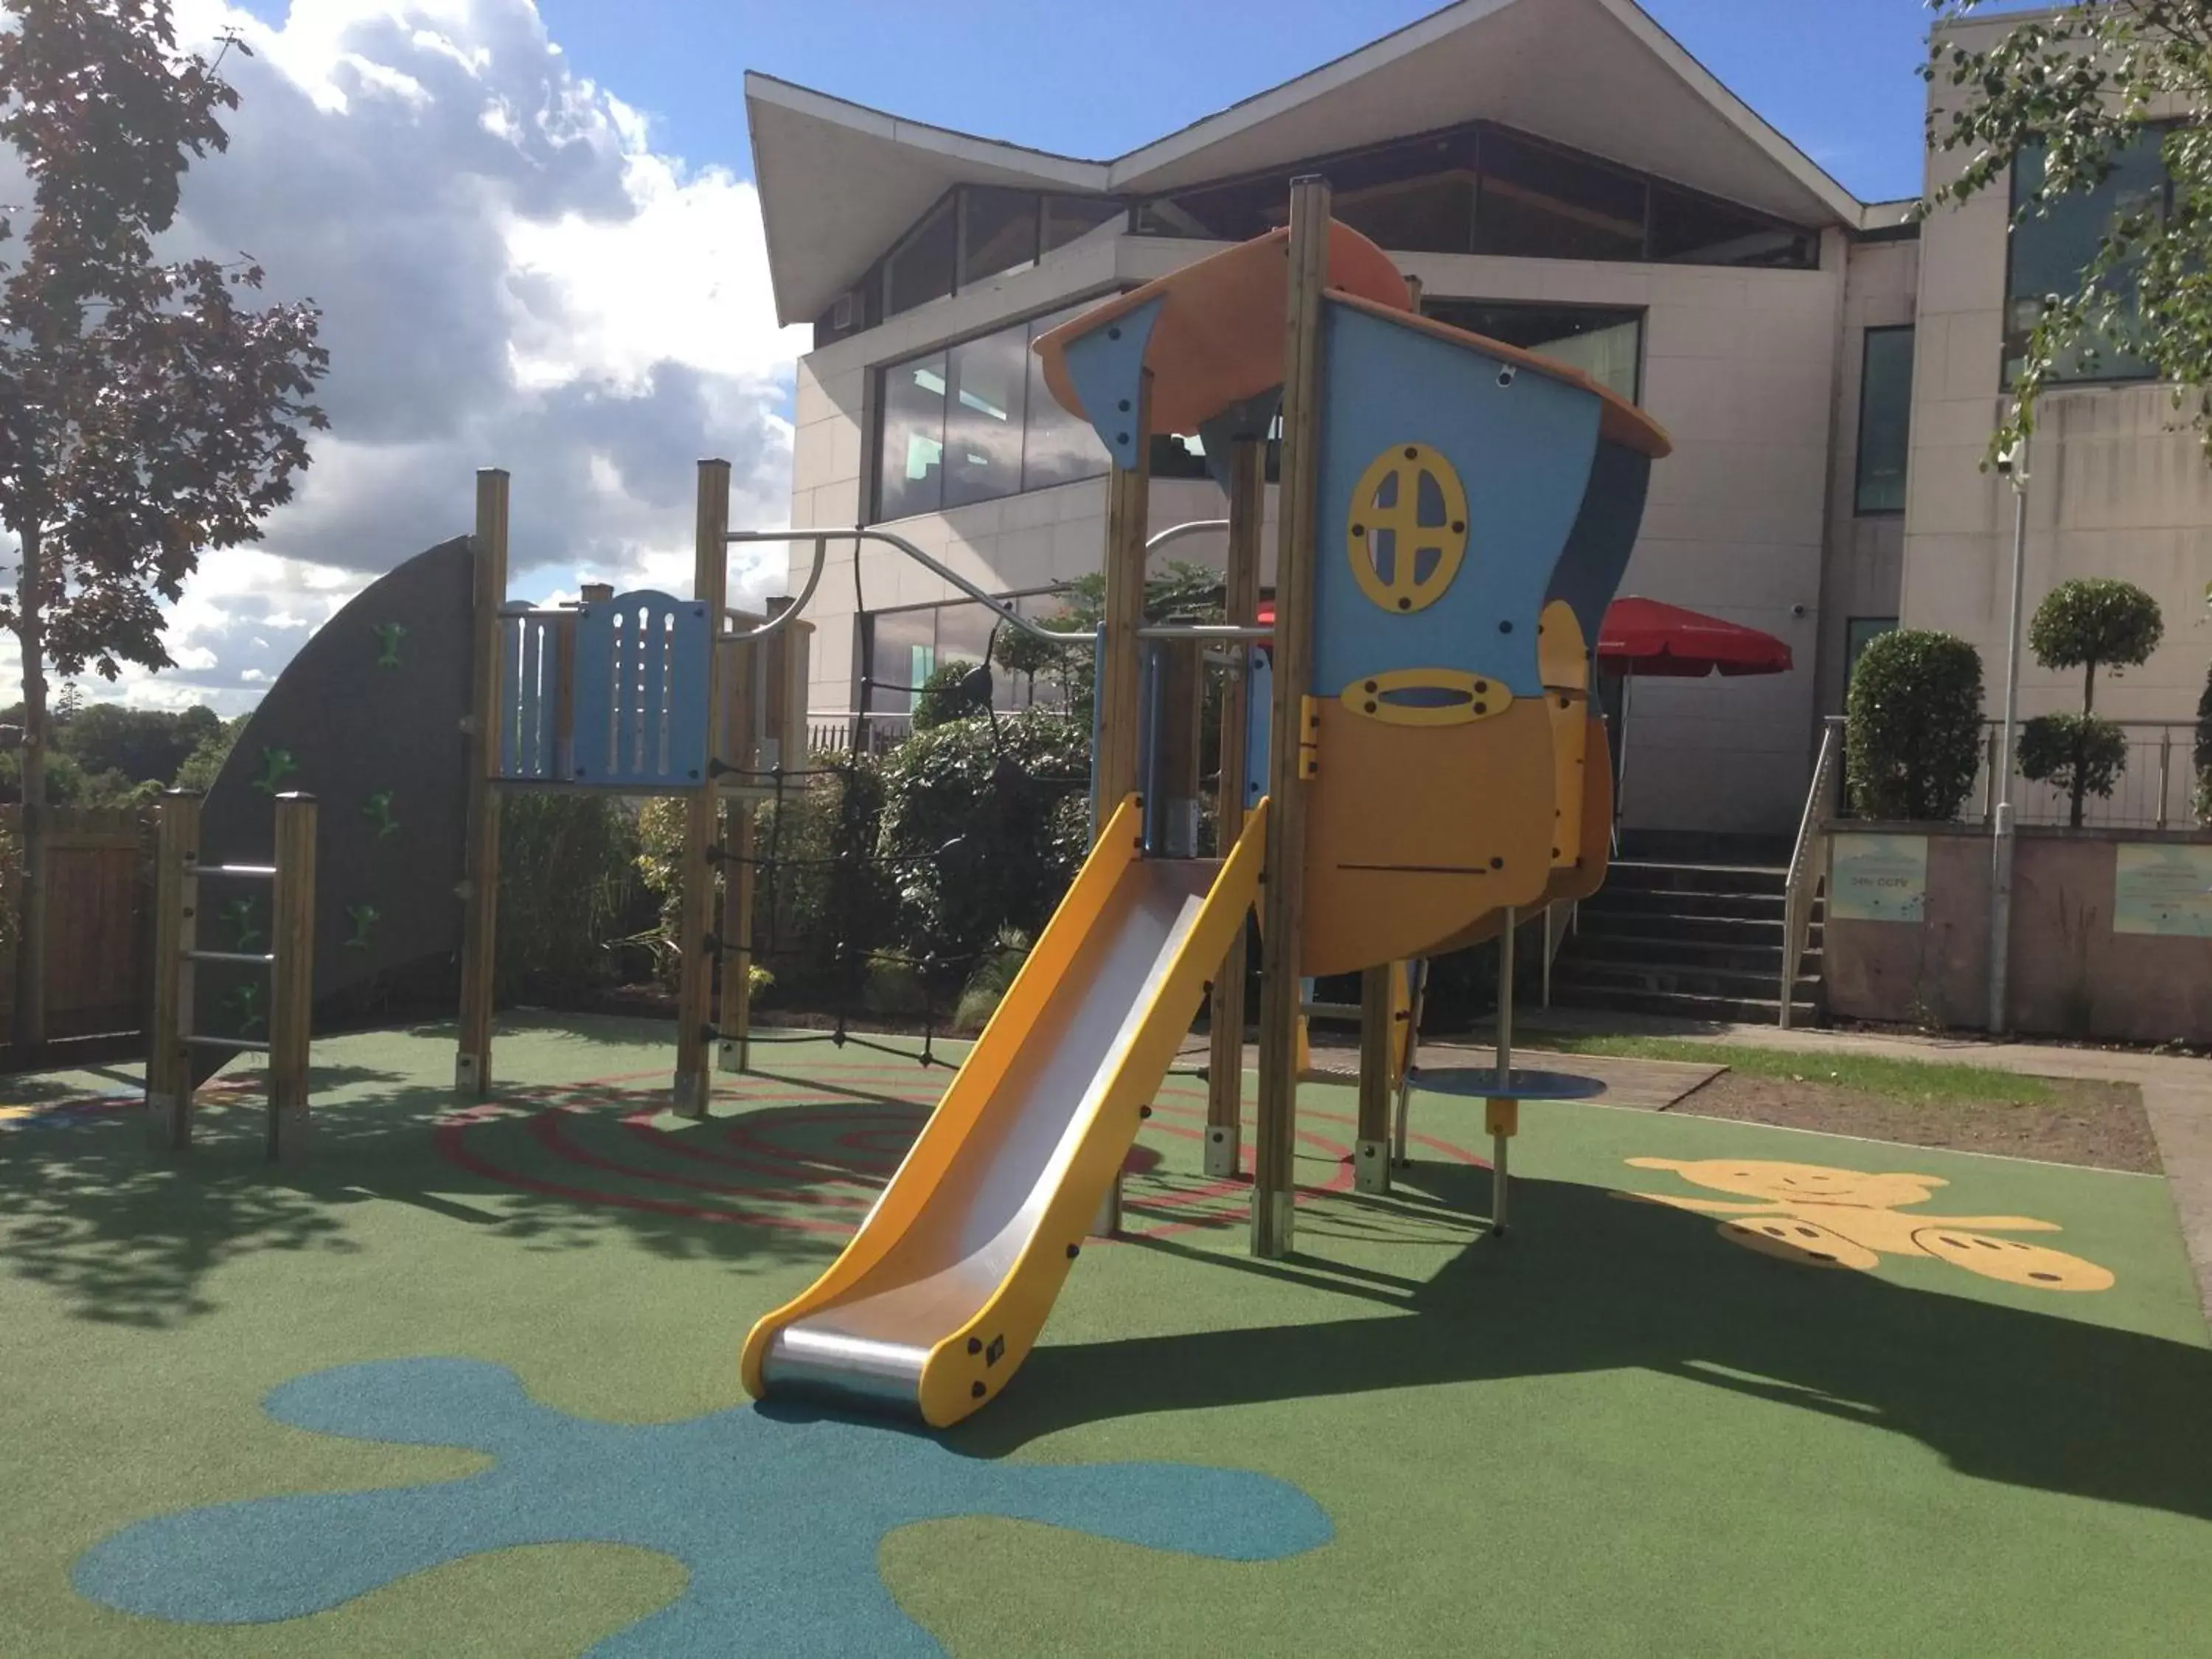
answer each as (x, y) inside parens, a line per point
(1828, 1217)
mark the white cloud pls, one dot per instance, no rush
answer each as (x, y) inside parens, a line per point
(510, 275)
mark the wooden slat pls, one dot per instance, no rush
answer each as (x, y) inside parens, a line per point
(1282, 910)
(1377, 1033)
(745, 669)
(694, 988)
(291, 978)
(99, 921)
(480, 900)
(1224, 1076)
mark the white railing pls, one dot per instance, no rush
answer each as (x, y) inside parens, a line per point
(2156, 791)
(1809, 861)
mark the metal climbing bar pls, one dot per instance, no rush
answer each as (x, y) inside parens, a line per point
(239, 871)
(242, 1045)
(249, 958)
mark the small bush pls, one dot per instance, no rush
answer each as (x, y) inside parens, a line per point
(2204, 753)
(987, 986)
(954, 691)
(2095, 622)
(568, 890)
(1913, 737)
(2078, 755)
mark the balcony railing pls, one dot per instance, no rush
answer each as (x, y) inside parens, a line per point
(2156, 791)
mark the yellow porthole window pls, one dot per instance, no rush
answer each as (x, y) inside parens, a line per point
(1406, 532)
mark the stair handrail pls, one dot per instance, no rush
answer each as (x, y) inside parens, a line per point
(1808, 863)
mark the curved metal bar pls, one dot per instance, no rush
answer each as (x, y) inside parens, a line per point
(1176, 532)
(1205, 631)
(782, 619)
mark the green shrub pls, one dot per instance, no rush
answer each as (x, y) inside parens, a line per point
(987, 985)
(2078, 755)
(2090, 623)
(953, 692)
(822, 902)
(2204, 752)
(978, 835)
(1913, 736)
(567, 891)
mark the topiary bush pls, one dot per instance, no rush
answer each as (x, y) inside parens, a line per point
(2204, 753)
(2079, 754)
(2092, 623)
(953, 692)
(1913, 731)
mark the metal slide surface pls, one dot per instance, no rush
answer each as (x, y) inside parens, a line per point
(937, 1298)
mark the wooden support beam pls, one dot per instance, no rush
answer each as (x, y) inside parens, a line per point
(176, 904)
(480, 883)
(292, 975)
(1370, 1159)
(694, 990)
(1119, 690)
(1224, 1066)
(744, 673)
(1282, 901)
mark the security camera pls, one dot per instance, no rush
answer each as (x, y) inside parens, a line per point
(1797, 610)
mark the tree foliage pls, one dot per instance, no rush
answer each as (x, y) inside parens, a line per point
(2204, 752)
(2078, 755)
(1913, 733)
(2093, 622)
(953, 692)
(2073, 89)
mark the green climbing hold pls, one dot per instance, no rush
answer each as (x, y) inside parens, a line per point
(378, 811)
(238, 916)
(388, 635)
(364, 918)
(276, 765)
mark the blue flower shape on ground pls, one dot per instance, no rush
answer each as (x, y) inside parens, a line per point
(777, 1516)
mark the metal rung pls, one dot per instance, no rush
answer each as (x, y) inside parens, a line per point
(1330, 1010)
(249, 957)
(242, 871)
(245, 1045)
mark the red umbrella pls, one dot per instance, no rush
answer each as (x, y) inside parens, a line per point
(1642, 636)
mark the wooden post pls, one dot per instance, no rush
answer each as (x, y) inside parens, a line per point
(1371, 1162)
(292, 975)
(695, 998)
(176, 902)
(733, 1012)
(1224, 1073)
(1273, 1173)
(1119, 690)
(480, 883)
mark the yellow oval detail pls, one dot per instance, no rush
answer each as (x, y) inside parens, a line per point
(1426, 696)
(1406, 532)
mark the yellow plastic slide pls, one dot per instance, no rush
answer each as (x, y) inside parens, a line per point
(936, 1302)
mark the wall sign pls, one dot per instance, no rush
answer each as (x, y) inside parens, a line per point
(1878, 877)
(2162, 888)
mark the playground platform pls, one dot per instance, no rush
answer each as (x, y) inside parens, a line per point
(465, 1378)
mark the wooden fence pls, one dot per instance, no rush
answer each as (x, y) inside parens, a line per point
(98, 919)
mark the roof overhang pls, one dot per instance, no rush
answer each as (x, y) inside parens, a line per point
(839, 182)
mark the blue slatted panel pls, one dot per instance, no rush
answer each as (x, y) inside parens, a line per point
(641, 700)
(529, 698)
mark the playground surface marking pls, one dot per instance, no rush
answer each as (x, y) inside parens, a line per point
(466, 1380)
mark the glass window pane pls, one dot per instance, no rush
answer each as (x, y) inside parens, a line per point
(1884, 420)
(1605, 343)
(1690, 230)
(901, 651)
(963, 631)
(1539, 203)
(1860, 632)
(910, 474)
(1000, 235)
(1069, 218)
(921, 270)
(986, 385)
(1057, 447)
(2052, 250)
(1176, 455)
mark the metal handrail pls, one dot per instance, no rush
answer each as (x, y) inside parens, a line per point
(1803, 881)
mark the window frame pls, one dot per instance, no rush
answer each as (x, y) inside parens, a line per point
(1640, 314)
(1859, 508)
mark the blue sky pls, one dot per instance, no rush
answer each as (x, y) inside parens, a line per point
(1836, 76)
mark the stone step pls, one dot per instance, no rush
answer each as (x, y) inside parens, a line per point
(1666, 901)
(1594, 933)
(1675, 979)
(1646, 875)
(1720, 1010)
(1668, 949)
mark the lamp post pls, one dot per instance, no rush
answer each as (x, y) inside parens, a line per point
(2013, 465)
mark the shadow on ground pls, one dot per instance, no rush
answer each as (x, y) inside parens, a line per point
(1587, 1282)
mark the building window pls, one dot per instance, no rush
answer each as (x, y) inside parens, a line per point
(997, 232)
(1481, 189)
(1605, 343)
(2051, 250)
(1071, 218)
(976, 423)
(1884, 420)
(901, 649)
(924, 266)
(1860, 632)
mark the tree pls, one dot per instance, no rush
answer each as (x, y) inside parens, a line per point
(2203, 756)
(2072, 90)
(146, 415)
(1913, 737)
(2093, 622)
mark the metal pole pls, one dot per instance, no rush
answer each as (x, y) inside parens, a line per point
(1499, 1140)
(2001, 841)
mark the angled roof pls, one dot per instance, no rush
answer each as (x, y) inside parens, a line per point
(839, 182)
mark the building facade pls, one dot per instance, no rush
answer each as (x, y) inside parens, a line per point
(1556, 174)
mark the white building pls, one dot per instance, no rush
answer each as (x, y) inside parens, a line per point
(1558, 174)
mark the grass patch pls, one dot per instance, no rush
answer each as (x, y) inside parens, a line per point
(1922, 1081)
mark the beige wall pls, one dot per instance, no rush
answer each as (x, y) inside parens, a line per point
(1739, 365)
(2119, 486)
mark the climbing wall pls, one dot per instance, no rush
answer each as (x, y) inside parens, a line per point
(367, 719)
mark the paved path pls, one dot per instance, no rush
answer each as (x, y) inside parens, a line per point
(2176, 1090)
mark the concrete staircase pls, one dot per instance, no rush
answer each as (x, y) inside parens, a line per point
(1686, 941)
